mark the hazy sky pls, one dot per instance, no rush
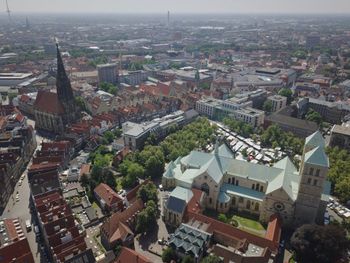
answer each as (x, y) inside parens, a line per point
(183, 6)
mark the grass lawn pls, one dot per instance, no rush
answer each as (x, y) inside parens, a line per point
(248, 223)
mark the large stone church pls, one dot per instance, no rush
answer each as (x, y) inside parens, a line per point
(53, 111)
(298, 195)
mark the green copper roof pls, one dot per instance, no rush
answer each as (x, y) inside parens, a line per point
(317, 156)
(242, 192)
(315, 140)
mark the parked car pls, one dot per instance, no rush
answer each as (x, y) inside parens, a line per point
(28, 225)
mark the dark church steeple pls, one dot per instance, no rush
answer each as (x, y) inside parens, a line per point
(63, 86)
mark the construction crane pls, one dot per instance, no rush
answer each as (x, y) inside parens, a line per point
(8, 11)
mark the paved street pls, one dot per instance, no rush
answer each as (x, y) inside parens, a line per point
(149, 242)
(21, 209)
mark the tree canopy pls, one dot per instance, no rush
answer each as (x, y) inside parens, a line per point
(286, 92)
(192, 136)
(148, 192)
(314, 116)
(239, 127)
(274, 137)
(339, 172)
(211, 259)
(168, 255)
(319, 244)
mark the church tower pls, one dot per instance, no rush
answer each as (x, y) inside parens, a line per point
(64, 91)
(313, 178)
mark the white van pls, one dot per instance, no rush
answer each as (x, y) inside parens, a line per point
(28, 225)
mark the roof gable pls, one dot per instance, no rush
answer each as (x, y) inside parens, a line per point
(317, 156)
(315, 140)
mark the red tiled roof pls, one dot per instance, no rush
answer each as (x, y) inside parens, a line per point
(107, 194)
(128, 255)
(273, 232)
(48, 102)
(221, 228)
(85, 169)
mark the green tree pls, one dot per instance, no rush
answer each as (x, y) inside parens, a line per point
(267, 106)
(148, 192)
(109, 136)
(147, 218)
(211, 259)
(168, 255)
(134, 171)
(314, 116)
(187, 259)
(84, 180)
(286, 92)
(222, 218)
(319, 244)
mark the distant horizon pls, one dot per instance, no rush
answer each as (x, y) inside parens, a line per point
(175, 13)
(179, 6)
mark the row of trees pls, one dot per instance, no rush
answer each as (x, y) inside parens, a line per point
(239, 127)
(150, 162)
(193, 136)
(274, 137)
(147, 219)
(339, 172)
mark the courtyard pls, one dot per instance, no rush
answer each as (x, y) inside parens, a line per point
(244, 222)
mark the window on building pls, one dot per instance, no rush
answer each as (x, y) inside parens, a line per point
(257, 187)
(210, 200)
(237, 182)
(205, 188)
(240, 200)
(317, 172)
(308, 180)
(229, 180)
(253, 186)
(233, 180)
(248, 204)
(233, 200)
(256, 207)
(315, 182)
(311, 171)
(261, 188)
(220, 205)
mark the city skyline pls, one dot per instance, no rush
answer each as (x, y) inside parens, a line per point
(182, 6)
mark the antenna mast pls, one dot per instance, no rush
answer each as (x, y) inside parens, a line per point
(8, 11)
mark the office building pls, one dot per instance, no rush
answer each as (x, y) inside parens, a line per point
(107, 73)
(14, 246)
(278, 102)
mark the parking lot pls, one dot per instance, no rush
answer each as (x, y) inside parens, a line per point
(336, 211)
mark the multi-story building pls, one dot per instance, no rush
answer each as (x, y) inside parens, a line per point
(333, 112)
(59, 229)
(340, 136)
(14, 246)
(135, 134)
(251, 116)
(238, 107)
(278, 102)
(107, 73)
(17, 144)
(298, 196)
